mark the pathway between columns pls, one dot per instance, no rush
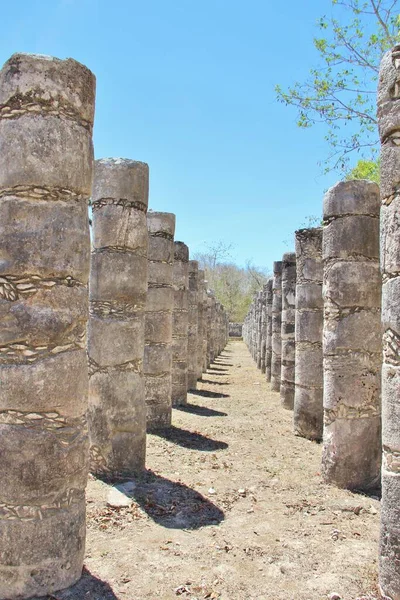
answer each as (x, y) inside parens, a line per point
(232, 508)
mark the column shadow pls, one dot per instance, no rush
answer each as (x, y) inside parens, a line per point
(190, 439)
(212, 382)
(213, 368)
(202, 411)
(88, 587)
(173, 504)
(209, 394)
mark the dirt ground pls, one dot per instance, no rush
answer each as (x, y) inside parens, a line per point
(232, 507)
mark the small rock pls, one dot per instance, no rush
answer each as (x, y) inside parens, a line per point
(211, 491)
(117, 499)
(242, 492)
(335, 596)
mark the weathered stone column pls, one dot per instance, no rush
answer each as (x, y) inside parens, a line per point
(212, 328)
(206, 329)
(287, 331)
(263, 327)
(46, 169)
(180, 324)
(118, 288)
(158, 331)
(389, 129)
(268, 339)
(308, 399)
(276, 343)
(352, 336)
(200, 324)
(193, 317)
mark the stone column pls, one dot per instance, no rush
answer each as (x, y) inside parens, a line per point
(180, 324)
(158, 330)
(389, 129)
(206, 330)
(263, 327)
(287, 330)
(46, 169)
(118, 288)
(200, 324)
(193, 317)
(308, 398)
(352, 336)
(276, 341)
(212, 328)
(268, 339)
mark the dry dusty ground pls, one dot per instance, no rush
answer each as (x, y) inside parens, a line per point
(232, 507)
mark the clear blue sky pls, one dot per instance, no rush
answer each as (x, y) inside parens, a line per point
(188, 87)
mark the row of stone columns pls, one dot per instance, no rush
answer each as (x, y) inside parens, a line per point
(325, 334)
(346, 344)
(95, 346)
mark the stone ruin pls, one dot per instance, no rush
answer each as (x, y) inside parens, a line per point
(316, 328)
(63, 394)
(158, 330)
(235, 330)
(118, 289)
(46, 121)
(309, 320)
(346, 346)
(389, 130)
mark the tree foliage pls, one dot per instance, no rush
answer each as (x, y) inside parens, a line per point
(341, 90)
(234, 286)
(365, 169)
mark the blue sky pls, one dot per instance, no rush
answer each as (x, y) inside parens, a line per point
(188, 87)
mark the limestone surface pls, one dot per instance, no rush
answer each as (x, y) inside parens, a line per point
(193, 325)
(308, 399)
(46, 170)
(276, 337)
(158, 330)
(287, 329)
(352, 336)
(389, 129)
(118, 289)
(180, 324)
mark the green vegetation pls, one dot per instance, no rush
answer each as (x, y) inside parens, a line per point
(234, 286)
(340, 92)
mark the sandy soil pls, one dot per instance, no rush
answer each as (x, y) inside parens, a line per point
(232, 507)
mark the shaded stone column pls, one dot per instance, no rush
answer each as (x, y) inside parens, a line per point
(287, 331)
(259, 328)
(180, 324)
(193, 317)
(200, 324)
(352, 336)
(308, 399)
(389, 129)
(158, 331)
(118, 288)
(268, 333)
(46, 169)
(206, 329)
(276, 342)
(263, 327)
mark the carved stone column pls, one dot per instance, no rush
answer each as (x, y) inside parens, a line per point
(180, 324)
(158, 330)
(193, 317)
(309, 379)
(352, 336)
(118, 288)
(46, 169)
(287, 331)
(268, 340)
(276, 327)
(389, 129)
